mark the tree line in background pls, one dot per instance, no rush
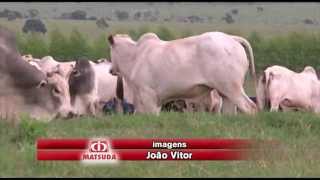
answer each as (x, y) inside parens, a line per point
(294, 50)
(148, 15)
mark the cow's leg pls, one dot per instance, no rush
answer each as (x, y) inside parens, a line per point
(217, 107)
(146, 102)
(143, 108)
(228, 107)
(189, 106)
(275, 104)
(90, 101)
(77, 104)
(119, 106)
(235, 93)
(245, 104)
(232, 89)
(92, 108)
(275, 101)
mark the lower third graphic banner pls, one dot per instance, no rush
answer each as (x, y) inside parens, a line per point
(111, 150)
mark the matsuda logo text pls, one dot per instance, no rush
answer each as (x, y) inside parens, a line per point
(99, 151)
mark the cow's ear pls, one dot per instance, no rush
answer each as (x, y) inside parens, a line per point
(42, 84)
(110, 39)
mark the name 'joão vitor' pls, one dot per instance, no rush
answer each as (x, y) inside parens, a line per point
(173, 154)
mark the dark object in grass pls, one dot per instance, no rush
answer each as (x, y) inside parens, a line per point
(110, 107)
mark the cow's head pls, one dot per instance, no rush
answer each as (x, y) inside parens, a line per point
(63, 69)
(122, 52)
(56, 93)
(38, 94)
(81, 79)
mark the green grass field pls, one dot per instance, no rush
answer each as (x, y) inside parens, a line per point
(298, 155)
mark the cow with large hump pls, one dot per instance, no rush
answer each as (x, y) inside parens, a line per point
(159, 71)
(280, 87)
(25, 89)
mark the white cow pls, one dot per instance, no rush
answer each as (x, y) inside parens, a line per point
(106, 83)
(92, 86)
(284, 88)
(160, 71)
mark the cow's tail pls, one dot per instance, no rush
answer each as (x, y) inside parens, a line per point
(262, 96)
(119, 88)
(119, 95)
(249, 52)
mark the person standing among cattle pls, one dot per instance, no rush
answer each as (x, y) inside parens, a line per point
(156, 70)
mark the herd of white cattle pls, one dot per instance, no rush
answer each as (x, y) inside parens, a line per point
(206, 71)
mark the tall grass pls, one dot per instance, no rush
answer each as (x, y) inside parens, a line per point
(294, 50)
(297, 155)
(63, 48)
(59, 45)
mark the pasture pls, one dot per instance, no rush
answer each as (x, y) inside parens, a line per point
(247, 20)
(297, 156)
(283, 41)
